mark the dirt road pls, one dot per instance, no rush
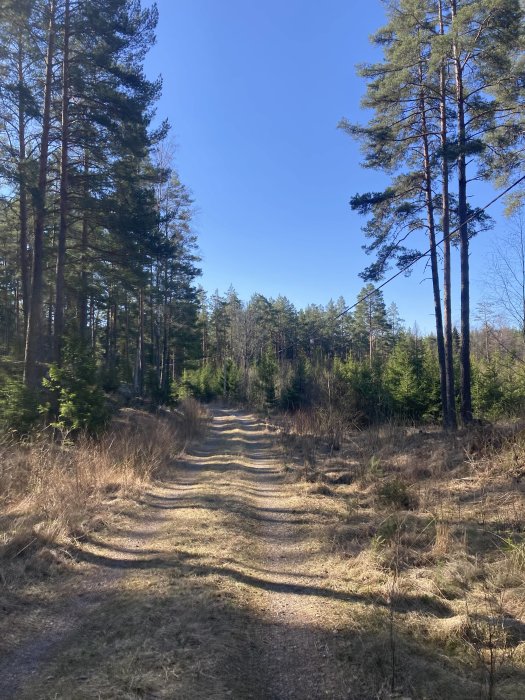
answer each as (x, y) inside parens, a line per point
(219, 587)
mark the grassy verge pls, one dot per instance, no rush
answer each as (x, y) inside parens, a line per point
(52, 493)
(433, 526)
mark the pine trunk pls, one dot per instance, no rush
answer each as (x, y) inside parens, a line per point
(139, 370)
(83, 295)
(32, 369)
(164, 378)
(24, 237)
(445, 222)
(464, 355)
(64, 198)
(434, 262)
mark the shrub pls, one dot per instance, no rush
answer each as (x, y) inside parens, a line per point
(78, 400)
(395, 493)
(202, 383)
(267, 369)
(296, 391)
(18, 407)
(386, 533)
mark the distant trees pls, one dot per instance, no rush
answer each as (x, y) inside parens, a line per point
(369, 324)
(359, 367)
(444, 98)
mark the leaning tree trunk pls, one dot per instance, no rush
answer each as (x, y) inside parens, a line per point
(32, 370)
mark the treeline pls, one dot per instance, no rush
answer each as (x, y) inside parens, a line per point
(357, 367)
(447, 110)
(97, 257)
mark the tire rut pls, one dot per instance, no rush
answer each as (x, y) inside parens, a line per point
(265, 560)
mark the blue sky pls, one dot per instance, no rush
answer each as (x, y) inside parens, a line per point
(254, 92)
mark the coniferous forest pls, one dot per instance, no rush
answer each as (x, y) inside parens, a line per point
(98, 256)
(100, 267)
(229, 494)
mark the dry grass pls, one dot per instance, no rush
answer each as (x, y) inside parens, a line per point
(392, 568)
(53, 492)
(443, 516)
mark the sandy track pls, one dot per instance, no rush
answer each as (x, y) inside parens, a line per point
(295, 610)
(230, 549)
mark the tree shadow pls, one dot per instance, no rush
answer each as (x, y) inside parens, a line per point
(189, 639)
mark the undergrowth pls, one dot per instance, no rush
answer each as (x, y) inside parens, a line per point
(55, 490)
(439, 519)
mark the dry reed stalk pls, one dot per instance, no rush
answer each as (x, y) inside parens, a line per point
(443, 540)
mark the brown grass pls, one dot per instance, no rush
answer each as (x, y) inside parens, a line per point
(399, 556)
(52, 493)
(444, 515)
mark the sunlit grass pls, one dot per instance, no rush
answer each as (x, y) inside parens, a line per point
(248, 578)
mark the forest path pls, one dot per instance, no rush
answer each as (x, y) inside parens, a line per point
(220, 588)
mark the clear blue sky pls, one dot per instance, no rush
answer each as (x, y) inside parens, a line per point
(254, 92)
